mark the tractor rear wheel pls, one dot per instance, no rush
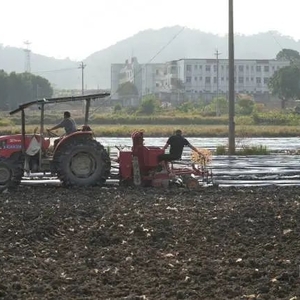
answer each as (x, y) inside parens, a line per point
(83, 163)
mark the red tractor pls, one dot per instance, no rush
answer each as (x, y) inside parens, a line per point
(77, 159)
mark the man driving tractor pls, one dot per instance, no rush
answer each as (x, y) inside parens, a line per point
(67, 123)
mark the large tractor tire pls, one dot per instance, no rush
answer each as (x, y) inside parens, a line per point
(11, 173)
(83, 163)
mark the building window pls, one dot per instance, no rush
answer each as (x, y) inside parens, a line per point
(207, 68)
(200, 78)
(258, 80)
(188, 79)
(222, 78)
(266, 69)
(241, 68)
(195, 67)
(247, 79)
(247, 68)
(252, 68)
(188, 68)
(215, 79)
(207, 79)
(196, 78)
(200, 67)
(215, 68)
(157, 84)
(173, 70)
(258, 68)
(252, 79)
(241, 79)
(222, 68)
(157, 72)
(266, 80)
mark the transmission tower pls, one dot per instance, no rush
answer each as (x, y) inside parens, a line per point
(27, 52)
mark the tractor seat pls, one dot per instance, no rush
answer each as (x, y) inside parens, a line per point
(86, 128)
(178, 160)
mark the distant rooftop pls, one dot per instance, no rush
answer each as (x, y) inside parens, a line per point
(226, 59)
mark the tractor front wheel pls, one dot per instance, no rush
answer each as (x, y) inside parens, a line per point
(11, 173)
(5, 174)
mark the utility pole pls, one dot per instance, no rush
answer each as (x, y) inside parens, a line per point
(217, 54)
(231, 136)
(82, 66)
(84, 106)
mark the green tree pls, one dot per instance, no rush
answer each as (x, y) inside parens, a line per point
(117, 108)
(19, 88)
(3, 90)
(149, 105)
(41, 87)
(127, 89)
(220, 104)
(245, 105)
(186, 107)
(177, 84)
(285, 84)
(15, 91)
(288, 54)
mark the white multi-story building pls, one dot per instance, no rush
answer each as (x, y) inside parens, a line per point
(211, 75)
(147, 78)
(193, 78)
(115, 79)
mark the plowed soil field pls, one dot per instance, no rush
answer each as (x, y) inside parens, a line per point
(117, 243)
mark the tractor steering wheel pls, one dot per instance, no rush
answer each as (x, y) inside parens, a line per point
(51, 133)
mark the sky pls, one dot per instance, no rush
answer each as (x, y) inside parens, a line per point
(76, 29)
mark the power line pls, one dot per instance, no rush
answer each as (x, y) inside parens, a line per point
(277, 42)
(57, 70)
(164, 47)
(140, 70)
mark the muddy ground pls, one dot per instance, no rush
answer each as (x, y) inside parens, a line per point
(113, 243)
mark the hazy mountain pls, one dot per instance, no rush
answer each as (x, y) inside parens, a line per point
(60, 72)
(161, 44)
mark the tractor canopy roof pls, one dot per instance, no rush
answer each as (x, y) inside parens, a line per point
(60, 100)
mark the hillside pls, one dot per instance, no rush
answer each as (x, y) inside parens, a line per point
(145, 45)
(60, 72)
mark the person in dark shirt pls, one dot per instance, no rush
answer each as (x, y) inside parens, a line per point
(177, 143)
(67, 123)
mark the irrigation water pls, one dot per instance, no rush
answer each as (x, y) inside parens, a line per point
(281, 167)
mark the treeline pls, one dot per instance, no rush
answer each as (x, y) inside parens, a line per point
(17, 88)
